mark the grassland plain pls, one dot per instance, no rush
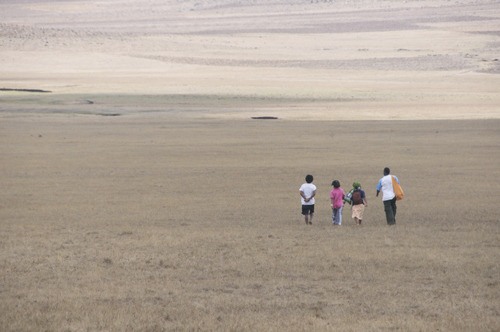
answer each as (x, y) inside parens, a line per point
(156, 223)
(138, 195)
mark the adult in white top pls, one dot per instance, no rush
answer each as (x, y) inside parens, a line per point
(388, 196)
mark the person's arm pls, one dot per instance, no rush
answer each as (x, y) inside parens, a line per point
(379, 186)
(365, 202)
(312, 196)
(307, 199)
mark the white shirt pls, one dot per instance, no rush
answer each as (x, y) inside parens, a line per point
(308, 189)
(385, 185)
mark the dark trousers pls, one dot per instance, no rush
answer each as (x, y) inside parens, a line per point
(390, 211)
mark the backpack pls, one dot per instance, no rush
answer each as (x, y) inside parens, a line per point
(356, 197)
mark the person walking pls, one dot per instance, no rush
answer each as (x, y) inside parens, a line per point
(359, 202)
(307, 192)
(388, 195)
(337, 198)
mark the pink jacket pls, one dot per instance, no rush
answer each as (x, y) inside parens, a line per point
(337, 195)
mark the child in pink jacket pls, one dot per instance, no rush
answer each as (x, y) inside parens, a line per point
(337, 198)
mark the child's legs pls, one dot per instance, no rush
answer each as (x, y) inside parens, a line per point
(337, 216)
(308, 212)
(308, 216)
(357, 213)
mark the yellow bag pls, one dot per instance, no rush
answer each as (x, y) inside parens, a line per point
(398, 190)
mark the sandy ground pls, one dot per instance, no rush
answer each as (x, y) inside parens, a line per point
(291, 59)
(138, 193)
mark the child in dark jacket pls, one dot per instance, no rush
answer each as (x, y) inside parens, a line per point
(358, 201)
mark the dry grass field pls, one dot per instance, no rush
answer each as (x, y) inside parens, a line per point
(140, 195)
(153, 223)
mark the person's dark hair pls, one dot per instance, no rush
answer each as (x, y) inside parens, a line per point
(309, 178)
(336, 184)
(387, 171)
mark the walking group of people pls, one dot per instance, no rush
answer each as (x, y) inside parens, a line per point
(356, 197)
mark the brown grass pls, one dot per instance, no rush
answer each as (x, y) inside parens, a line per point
(161, 223)
(139, 195)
